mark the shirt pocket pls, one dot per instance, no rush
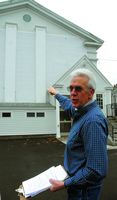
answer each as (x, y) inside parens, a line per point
(75, 140)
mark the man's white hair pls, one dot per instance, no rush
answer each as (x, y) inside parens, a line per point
(87, 73)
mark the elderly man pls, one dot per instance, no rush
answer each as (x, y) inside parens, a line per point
(85, 157)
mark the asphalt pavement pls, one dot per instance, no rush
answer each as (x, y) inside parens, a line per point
(21, 159)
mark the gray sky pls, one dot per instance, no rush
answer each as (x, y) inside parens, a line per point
(99, 18)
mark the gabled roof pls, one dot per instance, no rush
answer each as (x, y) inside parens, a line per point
(90, 39)
(82, 63)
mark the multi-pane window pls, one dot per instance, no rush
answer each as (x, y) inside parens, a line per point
(6, 114)
(99, 98)
(40, 114)
(65, 120)
(30, 114)
(35, 114)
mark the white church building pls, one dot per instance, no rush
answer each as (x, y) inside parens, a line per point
(39, 48)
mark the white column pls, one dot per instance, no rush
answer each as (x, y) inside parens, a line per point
(10, 62)
(40, 64)
(58, 134)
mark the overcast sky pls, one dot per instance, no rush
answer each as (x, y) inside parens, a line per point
(97, 17)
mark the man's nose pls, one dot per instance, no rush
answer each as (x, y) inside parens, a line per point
(73, 91)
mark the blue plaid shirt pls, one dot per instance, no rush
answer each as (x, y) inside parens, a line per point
(85, 157)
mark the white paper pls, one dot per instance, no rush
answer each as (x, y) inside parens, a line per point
(60, 173)
(41, 182)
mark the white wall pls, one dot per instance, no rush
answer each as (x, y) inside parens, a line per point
(20, 124)
(10, 62)
(40, 72)
(2, 63)
(25, 67)
(63, 49)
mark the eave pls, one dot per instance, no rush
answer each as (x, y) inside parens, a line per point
(93, 44)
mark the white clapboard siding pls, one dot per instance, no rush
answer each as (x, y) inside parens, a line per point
(20, 124)
(2, 60)
(25, 67)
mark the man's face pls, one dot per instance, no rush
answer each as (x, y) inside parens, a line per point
(80, 93)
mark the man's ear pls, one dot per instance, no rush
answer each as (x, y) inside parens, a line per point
(92, 91)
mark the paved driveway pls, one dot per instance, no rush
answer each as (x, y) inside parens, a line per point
(24, 158)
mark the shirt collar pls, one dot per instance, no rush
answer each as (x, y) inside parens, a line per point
(79, 112)
(88, 103)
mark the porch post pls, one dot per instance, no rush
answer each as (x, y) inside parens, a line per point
(58, 134)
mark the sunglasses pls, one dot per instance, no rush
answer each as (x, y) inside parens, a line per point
(76, 88)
